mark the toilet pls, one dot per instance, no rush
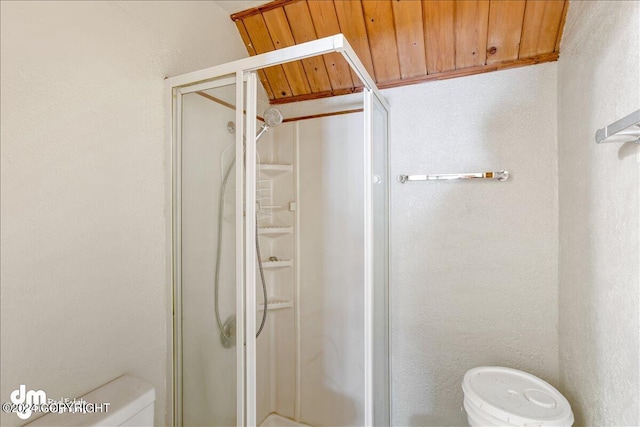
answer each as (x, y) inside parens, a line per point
(131, 403)
(496, 396)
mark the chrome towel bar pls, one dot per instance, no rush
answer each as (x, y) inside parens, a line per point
(499, 175)
(627, 129)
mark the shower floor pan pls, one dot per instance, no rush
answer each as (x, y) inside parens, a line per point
(275, 420)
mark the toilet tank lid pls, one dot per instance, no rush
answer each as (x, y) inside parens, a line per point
(516, 397)
(127, 395)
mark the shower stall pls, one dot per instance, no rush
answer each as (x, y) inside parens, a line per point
(280, 299)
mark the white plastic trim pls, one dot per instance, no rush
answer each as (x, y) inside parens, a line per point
(368, 258)
(177, 256)
(336, 43)
(358, 67)
(296, 288)
(280, 56)
(250, 253)
(240, 266)
(221, 81)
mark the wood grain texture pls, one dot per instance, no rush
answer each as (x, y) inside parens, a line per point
(325, 23)
(561, 26)
(299, 20)
(317, 116)
(439, 32)
(400, 41)
(471, 32)
(410, 38)
(351, 20)
(505, 29)
(540, 27)
(281, 36)
(480, 69)
(260, 9)
(319, 95)
(451, 74)
(224, 103)
(288, 119)
(261, 41)
(247, 43)
(379, 21)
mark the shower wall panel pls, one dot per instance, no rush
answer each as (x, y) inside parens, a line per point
(276, 354)
(331, 270)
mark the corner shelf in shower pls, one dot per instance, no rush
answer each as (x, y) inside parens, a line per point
(272, 170)
(277, 264)
(274, 231)
(276, 304)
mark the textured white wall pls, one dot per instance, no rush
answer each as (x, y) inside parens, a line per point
(598, 83)
(84, 288)
(474, 264)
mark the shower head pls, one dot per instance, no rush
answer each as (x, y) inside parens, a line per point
(272, 117)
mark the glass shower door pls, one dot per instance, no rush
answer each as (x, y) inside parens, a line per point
(214, 252)
(376, 123)
(208, 194)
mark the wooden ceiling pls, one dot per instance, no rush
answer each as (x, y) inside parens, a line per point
(399, 41)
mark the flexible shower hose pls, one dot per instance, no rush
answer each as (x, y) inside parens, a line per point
(218, 250)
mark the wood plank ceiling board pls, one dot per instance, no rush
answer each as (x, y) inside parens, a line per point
(440, 35)
(561, 27)
(351, 20)
(505, 26)
(302, 29)
(410, 37)
(540, 27)
(400, 41)
(378, 17)
(247, 43)
(325, 22)
(278, 26)
(471, 33)
(261, 42)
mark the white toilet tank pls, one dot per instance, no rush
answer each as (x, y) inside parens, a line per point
(131, 403)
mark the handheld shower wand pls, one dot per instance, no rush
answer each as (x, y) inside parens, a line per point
(272, 118)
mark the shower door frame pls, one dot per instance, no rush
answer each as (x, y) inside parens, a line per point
(245, 71)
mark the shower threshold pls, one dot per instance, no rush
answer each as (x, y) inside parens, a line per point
(275, 420)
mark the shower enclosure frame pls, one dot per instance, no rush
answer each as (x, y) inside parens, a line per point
(243, 72)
